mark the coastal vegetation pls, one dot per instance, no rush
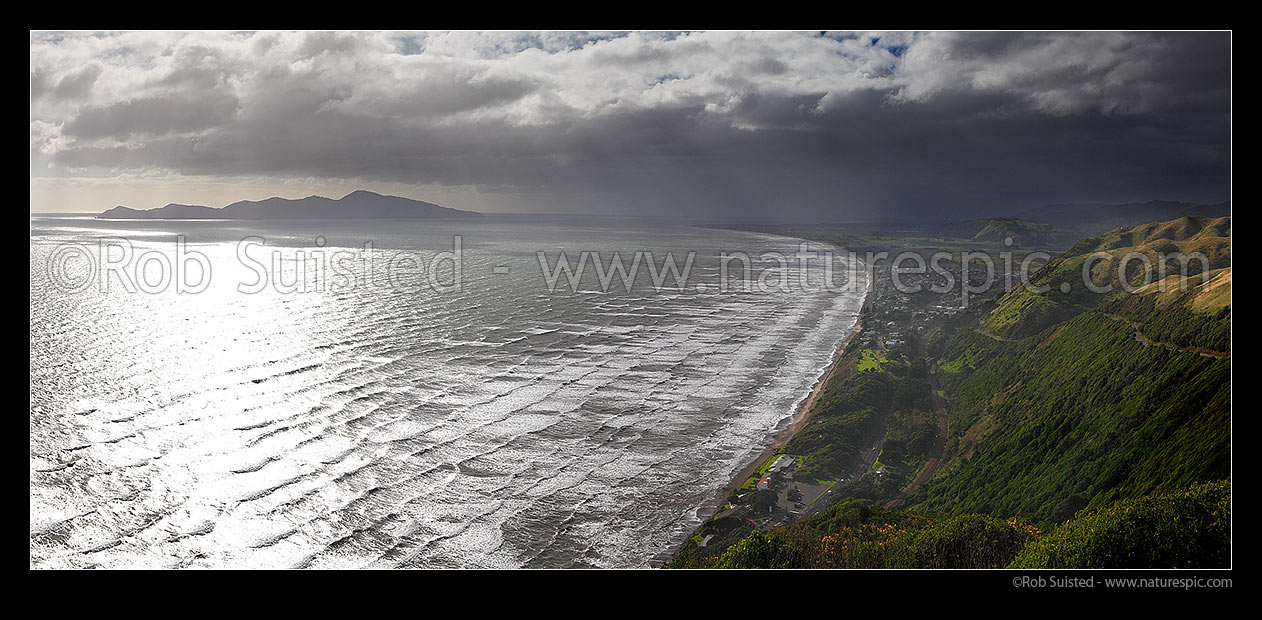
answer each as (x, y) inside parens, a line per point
(881, 398)
(1084, 429)
(1080, 416)
(1188, 528)
(850, 410)
(858, 534)
(1080, 407)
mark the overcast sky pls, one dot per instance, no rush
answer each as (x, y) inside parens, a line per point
(839, 126)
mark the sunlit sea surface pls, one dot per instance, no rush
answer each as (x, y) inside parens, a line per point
(399, 423)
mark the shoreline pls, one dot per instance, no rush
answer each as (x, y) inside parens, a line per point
(801, 416)
(799, 419)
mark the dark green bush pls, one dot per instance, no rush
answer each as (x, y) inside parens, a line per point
(1186, 529)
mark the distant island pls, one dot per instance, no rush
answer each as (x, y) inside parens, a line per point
(359, 204)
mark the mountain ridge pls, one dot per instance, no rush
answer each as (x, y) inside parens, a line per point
(1020, 233)
(1021, 312)
(359, 204)
(1089, 219)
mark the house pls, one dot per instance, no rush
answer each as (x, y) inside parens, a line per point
(782, 463)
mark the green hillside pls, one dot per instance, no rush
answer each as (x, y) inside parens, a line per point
(849, 410)
(1119, 261)
(1084, 429)
(1078, 416)
(1187, 528)
(1063, 401)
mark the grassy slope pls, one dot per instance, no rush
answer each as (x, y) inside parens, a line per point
(1081, 417)
(1021, 313)
(1078, 412)
(1074, 416)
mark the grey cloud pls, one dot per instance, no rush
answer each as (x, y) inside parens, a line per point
(199, 67)
(77, 84)
(440, 93)
(1075, 72)
(724, 123)
(71, 85)
(317, 43)
(152, 116)
(39, 84)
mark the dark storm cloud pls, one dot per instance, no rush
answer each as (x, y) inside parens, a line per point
(707, 123)
(1065, 73)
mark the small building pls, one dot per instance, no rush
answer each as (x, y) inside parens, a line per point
(765, 483)
(782, 463)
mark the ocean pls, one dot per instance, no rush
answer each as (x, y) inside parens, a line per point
(411, 394)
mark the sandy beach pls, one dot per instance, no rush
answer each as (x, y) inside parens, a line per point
(781, 438)
(803, 412)
(800, 417)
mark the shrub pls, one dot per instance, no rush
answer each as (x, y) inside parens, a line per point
(759, 550)
(1186, 529)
